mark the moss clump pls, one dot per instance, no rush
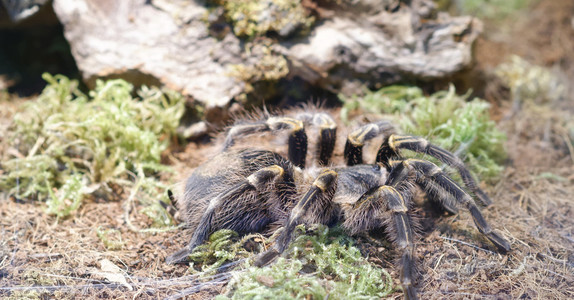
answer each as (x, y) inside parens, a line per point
(491, 9)
(254, 17)
(112, 238)
(319, 263)
(528, 82)
(68, 198)
(541, 95)
(69, 144)
(445, 118)
(223, 245)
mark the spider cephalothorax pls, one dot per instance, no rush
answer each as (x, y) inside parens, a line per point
(247, 189)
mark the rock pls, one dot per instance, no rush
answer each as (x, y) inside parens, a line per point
(183, 45)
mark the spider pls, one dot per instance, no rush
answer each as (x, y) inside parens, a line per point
(248, 189)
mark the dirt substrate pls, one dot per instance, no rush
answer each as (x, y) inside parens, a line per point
(41, 256)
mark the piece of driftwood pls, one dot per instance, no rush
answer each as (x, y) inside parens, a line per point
(345, 53)
(165, 43)
(173, 43)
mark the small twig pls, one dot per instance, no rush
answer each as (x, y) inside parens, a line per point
(129, 202)
(139, 282)
(467, 244)
(197, 288)
(520, 268)
(231, 264)
(46, 256)
(556, 260)
(36, 146)
(161, 230)
(53, 288)
(438, 262)
(471, 295)
(179, 280)
(95, 281)
(552, 272)
(568, 238)
(569, 145)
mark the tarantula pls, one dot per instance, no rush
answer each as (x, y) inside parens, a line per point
(248, 189)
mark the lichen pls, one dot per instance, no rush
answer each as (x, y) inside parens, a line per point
(262, 69)
(445, 118)
(255, 18)
(66, 145)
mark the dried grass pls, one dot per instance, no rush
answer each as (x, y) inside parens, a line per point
(42, 256)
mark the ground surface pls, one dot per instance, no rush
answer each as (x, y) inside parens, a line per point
(533, 208)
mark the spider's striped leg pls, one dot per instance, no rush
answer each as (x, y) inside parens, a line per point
(327, 131)
(318, 200)
(386, 207)
(297, 137)
(390, 149)
(357, 139)
(327, 137)
(445, 201)
(437, 180)
(257, 181)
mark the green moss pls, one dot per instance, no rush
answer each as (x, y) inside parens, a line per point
(223, 246)
(490, 9)
(320, 262)
(68, 198)
(540, 93)
(529, 82)
(445, 118)
(27, 295)
(34, 278)
(71, 144)
(112, 238)
(255, 18)
(33, 281)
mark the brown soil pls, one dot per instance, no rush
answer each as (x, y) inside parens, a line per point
(41, 256)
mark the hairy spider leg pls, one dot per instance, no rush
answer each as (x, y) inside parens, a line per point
(390, 149)
(327, 134)
(434, 178)
(255, 182)
(327, 137)
(434, 194)
(356, 140)
(318, 199)
(297, 150)
(386, 207)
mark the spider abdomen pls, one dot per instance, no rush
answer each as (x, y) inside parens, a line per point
(210, 180)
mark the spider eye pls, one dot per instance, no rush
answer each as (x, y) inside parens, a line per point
(376, 168)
